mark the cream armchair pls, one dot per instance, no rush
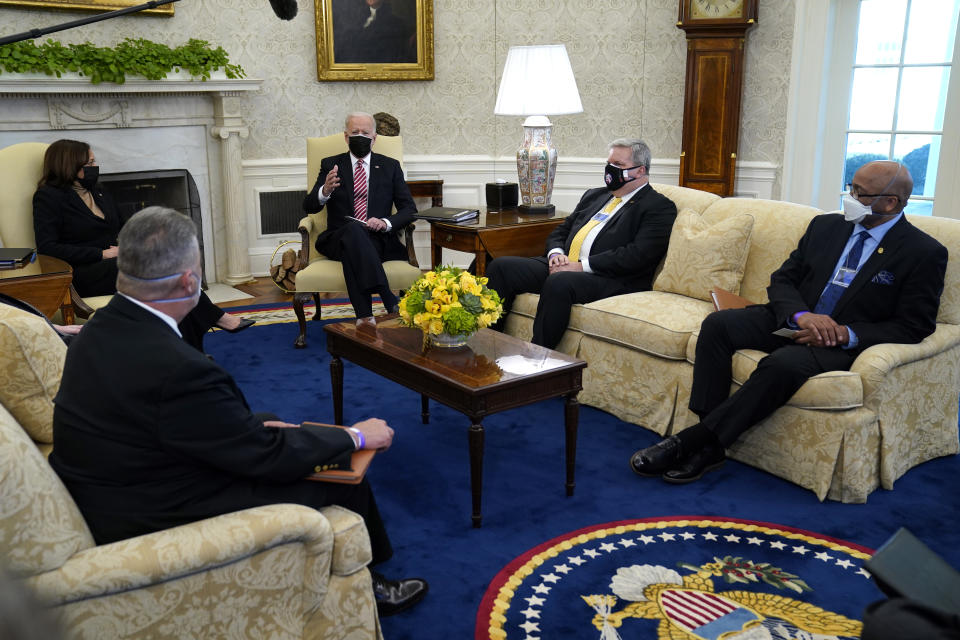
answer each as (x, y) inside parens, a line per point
(280, 571)
(21, 166)
(317, 273)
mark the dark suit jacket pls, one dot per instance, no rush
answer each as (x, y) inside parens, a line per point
(631, 244)
(386, 189)
(65, 228)
(149, 433)
(895, 295)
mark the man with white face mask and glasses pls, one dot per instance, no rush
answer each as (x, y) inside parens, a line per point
(858, 279)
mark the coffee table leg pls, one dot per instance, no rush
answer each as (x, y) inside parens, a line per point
(571, 411)
(336, 380)
(424, 409)
(475, 436)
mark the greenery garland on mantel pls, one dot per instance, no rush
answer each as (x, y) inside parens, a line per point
(139, 57)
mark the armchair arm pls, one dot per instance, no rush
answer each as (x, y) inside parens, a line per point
(183, 551)
(80, 308)
(875, 363)
(305, 227)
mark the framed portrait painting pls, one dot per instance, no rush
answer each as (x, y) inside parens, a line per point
(374, 39)
(94, 5)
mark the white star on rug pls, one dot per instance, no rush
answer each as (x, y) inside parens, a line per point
(562, 568)
(593, 553)
(801, 550)
(535, 601)
(577, 560)
(530, 626)
(864, 573)
(779, 546)
(627, 543)
(666, 537)
(823, 555)
(754, 540)
(551, 578)
(608, 547)
(686, 535)
(646, 539)
(710, 535)
(846, 564)
(731, 538)
(541, 588)
(531, 613)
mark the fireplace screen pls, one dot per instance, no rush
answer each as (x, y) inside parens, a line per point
(173, 188)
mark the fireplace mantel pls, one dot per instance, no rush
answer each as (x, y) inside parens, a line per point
(40, 107)
(39, 84)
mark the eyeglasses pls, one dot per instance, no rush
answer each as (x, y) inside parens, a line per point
(855, 192)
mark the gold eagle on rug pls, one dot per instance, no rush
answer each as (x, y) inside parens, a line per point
(690, 607)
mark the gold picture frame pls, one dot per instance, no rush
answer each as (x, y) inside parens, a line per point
(393, 43)
(92, 5)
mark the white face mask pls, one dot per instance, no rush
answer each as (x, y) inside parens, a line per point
(854, 210)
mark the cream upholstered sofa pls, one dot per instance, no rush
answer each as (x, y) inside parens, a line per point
(844, 433)
(281, 571)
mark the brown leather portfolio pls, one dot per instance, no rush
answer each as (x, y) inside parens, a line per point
(723, 299)
(359, 463)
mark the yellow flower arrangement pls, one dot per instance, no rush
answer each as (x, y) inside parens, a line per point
(450, 300)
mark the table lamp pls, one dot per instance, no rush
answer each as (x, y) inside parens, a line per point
(537, 81)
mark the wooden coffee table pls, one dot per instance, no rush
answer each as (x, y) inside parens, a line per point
(494, 233)
(44, 283)
(492, 373)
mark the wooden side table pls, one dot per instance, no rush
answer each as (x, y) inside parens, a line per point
(45, 284)
(494, 233)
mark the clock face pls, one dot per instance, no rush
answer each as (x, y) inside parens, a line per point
(715, 9)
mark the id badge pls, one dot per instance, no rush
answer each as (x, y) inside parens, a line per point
(600, 216)
(844, 277)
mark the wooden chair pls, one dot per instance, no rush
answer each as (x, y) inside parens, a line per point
(317, 273)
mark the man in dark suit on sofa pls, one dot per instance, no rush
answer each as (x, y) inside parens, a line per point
(150, 434)
(855, 280)
(359, 188)
(611, 244)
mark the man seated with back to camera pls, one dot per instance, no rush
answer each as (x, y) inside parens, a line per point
(855, 280)
(150, 434)
(610, 245)
(358, 189)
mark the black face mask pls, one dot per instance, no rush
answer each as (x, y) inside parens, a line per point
(90, 176)
(359, 146)
(614, 176)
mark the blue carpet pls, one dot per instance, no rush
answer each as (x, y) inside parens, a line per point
(422, 482)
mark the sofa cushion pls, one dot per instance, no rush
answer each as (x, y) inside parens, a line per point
(654, 322)
(40, 525)
(835, 390)
(702, 256)
(31, 359)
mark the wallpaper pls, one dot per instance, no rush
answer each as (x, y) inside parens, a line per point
(628, 58)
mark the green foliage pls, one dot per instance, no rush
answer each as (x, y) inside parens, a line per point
(458, 320)
(105, 64)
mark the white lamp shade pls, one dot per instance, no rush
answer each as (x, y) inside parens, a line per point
(538, 80)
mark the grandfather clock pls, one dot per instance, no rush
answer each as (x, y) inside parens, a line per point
(716, 32)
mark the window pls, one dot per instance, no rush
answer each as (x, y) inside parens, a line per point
(898, 91)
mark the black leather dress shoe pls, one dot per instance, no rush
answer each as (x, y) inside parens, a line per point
(655, 460)
(707, 459)
(393, 596)
(244, 323)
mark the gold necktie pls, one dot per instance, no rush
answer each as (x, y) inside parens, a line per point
(574, 253)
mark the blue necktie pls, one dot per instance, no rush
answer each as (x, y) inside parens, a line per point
(828, 299)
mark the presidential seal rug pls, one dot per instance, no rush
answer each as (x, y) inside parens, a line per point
(681, 578)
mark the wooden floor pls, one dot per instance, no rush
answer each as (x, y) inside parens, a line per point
(265, 292)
